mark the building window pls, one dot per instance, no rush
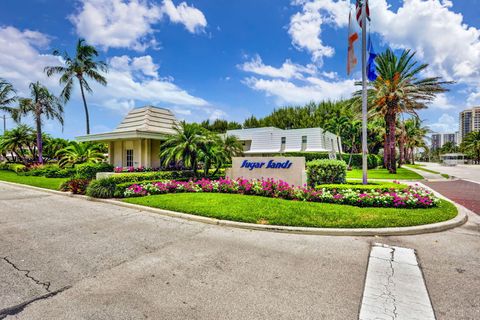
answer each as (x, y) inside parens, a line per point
(284, 140)
(129, 157)
(304, 139)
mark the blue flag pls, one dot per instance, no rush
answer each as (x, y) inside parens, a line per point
(372, 76)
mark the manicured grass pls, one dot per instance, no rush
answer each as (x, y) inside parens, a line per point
(402, 174)
(254, 209)
(357, 185)
(41, 182)
(421, 167)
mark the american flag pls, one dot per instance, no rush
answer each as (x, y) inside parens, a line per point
(359, 6)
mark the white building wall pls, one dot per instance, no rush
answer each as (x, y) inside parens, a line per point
(269, 140)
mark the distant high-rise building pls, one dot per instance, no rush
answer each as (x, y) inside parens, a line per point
(439, 139)
(469, 121)
(436, 141)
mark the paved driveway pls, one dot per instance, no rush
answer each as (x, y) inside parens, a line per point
(469, 172)
(68, 258)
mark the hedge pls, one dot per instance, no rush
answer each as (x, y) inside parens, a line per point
(382, 186)
(89, 170)
(326, 171)
(373, 160)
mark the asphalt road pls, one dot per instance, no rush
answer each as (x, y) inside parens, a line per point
(69, 258)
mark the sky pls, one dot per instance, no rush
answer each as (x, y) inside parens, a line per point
(231, 59)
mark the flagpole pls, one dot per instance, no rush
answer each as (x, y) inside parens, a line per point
(364, 92)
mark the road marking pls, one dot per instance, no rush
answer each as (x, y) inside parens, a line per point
(394, 286)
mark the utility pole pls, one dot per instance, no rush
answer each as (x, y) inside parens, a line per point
(4, 124)
(364, 92)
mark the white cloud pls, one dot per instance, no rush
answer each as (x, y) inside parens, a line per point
(136, 79)
(20, 59)
(117, 23)
(314, 89)
(130, 23)
(474, 98)
(193, 19)
(306, 26)
(441, 102)
(445, 124)
(451, 47)
(288, 69)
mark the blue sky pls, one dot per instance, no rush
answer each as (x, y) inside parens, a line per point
(231, 59)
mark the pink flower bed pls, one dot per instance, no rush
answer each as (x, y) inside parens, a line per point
(411, 197)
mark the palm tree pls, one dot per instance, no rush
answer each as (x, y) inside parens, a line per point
(398, 89)
(82, 66)
(415, 137)
(7, 96)
(52, 146)
(78, 152)
(184, 145)
(471, 145)
(352, 129)
(16, 141)
(337, 125)
(41, 104)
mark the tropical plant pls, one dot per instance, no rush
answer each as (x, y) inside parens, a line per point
(7, 96)
(449, 147)
(415, 137)
(82, 66)
(337, 126)
(80, 152)
(18, 141)
(471, 145)
(398, 89)
(42, 104)
(52, 146)
(184, 145)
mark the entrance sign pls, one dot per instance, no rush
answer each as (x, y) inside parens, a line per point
(288, 169)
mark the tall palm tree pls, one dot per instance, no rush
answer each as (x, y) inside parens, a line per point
(471, 145)
(398, 89)
(7, 96)
(42, 104)
(79, 152)
(415, 137)
(337, 125)
(82, 66)
(184, 145)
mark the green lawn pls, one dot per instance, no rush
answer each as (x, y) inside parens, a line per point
(402, 174)
(41, 182)
(254, 209)
(421, 167)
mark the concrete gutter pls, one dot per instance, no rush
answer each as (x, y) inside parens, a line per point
(459, 220)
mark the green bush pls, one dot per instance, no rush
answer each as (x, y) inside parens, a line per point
(326, 171)
(372, 159)
(16, 167)
(157, 175)
(76, 186)
(61, 173)
(89, 170)
(4, 165)
(102, 188)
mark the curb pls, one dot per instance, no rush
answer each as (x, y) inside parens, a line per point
(460, 219)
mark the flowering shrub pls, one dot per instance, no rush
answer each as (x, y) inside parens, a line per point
(410, 197)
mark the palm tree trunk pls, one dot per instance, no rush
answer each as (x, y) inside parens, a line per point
(391, 133)
(386, 150)
(38, 122)
(401, 147)
(351, 153)
(87, 118)
(339, 146)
